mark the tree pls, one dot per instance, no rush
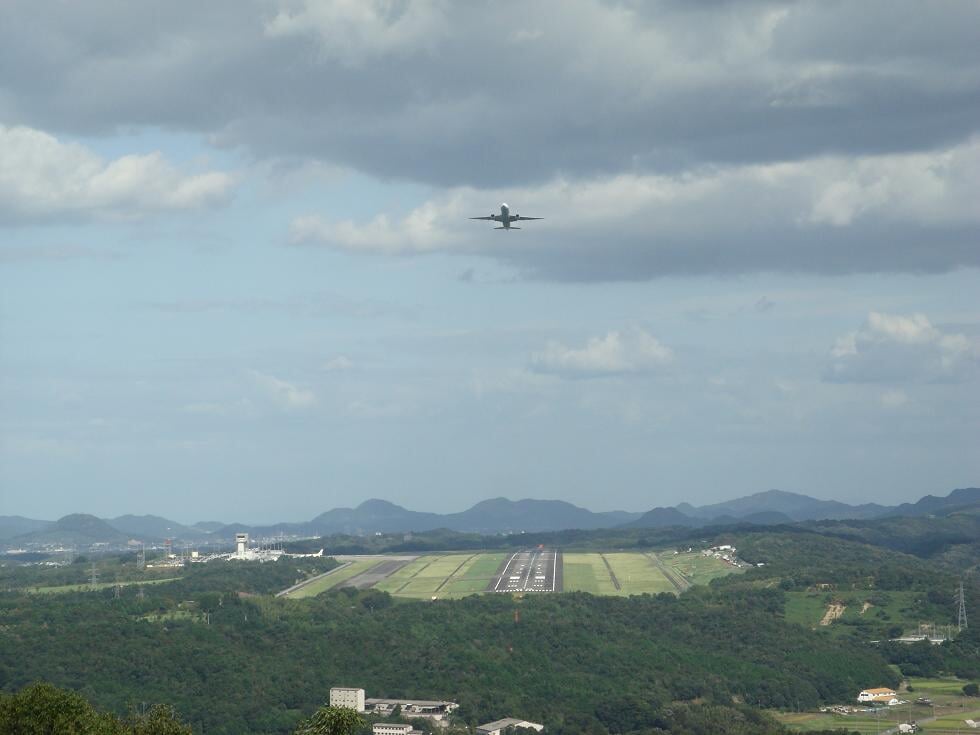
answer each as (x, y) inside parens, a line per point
(42, 708)
(972, 689)
(331, 721)
(161, 719)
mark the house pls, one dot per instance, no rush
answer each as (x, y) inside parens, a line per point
(497, 727)
(880, 694)
(393, 728)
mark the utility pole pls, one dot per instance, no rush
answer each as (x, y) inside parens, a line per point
(141, 557)
(117, 591)
(94, 576)
(961, 616)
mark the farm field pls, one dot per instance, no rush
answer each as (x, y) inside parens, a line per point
(951, 711)
(862, 722)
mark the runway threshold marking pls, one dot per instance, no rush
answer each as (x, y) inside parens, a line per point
(496, 587)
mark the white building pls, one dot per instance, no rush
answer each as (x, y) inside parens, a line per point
(241, 543)
(436, 710)
(499, 726)
(393, 728)
(347, 697)
(880, 694)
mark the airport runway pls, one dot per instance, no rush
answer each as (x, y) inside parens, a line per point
(536, 570)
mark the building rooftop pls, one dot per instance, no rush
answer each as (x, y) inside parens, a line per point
(502, 724)
(419, 702)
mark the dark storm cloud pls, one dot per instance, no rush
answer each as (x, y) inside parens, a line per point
(504, 94)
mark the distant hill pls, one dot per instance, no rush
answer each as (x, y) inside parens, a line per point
(155, 527)
(77, 528)
(500, 515)
(960, 499)
(497, 515)
(777, 506)
(11, 526)
(795, 506)
(209, 526)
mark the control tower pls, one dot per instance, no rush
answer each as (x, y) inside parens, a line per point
(241, 543)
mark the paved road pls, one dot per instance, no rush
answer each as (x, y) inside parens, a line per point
(529, 571)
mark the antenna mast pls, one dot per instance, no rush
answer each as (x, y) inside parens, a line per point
(961, 600)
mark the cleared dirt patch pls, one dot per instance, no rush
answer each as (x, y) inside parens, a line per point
(834, 610)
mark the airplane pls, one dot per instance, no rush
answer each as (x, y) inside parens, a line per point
(505, 218)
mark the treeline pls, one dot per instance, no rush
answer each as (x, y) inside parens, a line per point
(576, 662)
(42, 708)
(960, 656)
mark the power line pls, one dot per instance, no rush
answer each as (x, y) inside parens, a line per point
(961, 613)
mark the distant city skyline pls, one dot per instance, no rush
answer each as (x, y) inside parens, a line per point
(236, 269)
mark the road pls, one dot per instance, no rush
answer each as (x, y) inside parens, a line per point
(535, 570)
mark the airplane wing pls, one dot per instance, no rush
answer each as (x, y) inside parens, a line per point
(521, 216)
(491, 217)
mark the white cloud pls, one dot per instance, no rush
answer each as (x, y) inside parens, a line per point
(42, 177)
(282, 393)
(632, 351)
(892, 347)
(826, 214)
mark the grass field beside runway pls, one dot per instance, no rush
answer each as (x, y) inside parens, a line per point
(637, 573)
(458, 574)
(442, 575)
(588, 573)
(696, 567)
(334, 579)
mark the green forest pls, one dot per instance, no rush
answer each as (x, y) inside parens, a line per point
(231, 658)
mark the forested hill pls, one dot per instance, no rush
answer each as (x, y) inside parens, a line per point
(575, 662)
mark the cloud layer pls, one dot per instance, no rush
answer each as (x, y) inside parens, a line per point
(440, 92)
(896, 212)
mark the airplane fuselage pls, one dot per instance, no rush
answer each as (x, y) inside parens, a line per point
(504, 216)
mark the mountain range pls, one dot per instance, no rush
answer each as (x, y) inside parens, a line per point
(498, 515)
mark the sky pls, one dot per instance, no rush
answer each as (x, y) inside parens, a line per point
(238, 280)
